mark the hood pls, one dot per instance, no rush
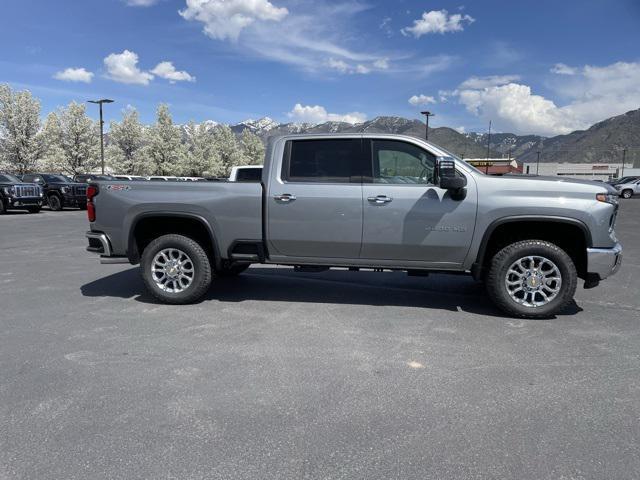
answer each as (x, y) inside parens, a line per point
(572, 181)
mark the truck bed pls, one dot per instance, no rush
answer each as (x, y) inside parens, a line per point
(232, 210)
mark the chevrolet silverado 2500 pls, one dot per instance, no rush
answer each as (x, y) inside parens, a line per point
(365, 201)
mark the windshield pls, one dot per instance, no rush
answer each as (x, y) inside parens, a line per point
(5, 177)
(57, 179)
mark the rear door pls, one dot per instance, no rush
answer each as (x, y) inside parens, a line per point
(314, 202)
(407, 218)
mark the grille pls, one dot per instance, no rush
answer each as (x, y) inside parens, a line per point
(26, 191)
(77, 191)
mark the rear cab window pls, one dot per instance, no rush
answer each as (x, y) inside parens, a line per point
(322, 161)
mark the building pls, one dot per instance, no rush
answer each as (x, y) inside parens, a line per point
(585, 171)
(495, 166)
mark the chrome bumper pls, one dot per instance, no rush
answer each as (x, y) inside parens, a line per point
(604, 262)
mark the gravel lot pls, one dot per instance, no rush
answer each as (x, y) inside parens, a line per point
(297, 375)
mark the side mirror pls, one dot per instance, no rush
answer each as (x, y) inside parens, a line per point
(452, 183)
(449, 180)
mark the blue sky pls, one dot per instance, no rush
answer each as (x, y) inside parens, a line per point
(541, 66)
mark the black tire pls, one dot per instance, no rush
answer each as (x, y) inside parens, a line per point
(232, 271)
(55, 203)
(3, 207)
(34, 209)
(501, 262)
(201, 266)
(627, 193)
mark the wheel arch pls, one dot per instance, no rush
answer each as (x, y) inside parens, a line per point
(520, 227)
(137, 239)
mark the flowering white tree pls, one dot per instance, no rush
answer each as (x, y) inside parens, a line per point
(203, 157)
(73, 139)
(20, 140)
(252, 148)
(165, 149)
(228, 148)
(126, 141)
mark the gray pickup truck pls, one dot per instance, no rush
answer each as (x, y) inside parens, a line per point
(364, 201)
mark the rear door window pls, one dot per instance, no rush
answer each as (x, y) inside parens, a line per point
(324, 161)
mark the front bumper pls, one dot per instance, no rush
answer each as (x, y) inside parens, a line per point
(74, 200)
(604, 262)
(18, 202)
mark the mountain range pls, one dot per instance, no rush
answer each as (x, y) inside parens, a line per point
(603, 142)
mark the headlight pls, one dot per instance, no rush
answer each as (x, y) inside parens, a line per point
(611, 198)
(41, 191)
(617, 187)
(64, 189)
(8, 190)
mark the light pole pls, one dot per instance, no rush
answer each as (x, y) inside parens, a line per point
(100, 102)
(486, 167)
(624, 158)
(538, 163)
(427, 115)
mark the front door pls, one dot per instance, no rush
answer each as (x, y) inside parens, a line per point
(406, 216)
(314, 207)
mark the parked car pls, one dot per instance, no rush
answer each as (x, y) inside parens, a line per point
(59, 190)
(18, 195)
(628, 189)
(91, 177)
(623, 180)
(130, 177)
(369, 201)
(246, 173)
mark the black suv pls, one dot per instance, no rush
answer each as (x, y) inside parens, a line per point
(15, 194)
(59, 190)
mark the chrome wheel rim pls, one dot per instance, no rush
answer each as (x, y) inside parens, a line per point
(172, 270)
(533, 281)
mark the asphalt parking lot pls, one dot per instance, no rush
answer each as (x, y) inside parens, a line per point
(331, 375)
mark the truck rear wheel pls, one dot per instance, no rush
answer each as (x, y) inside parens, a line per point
(532, 279)
(176, 269)
(627, 193)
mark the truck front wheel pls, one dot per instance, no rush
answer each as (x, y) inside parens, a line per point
(55, 202)
(175, 269)
(532, 279)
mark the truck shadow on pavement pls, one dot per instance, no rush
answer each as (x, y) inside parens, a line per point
(454, 293)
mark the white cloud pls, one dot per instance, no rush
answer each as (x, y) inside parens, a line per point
(460, 129)
(317, 114)
(421, 100)
(123, 68)
(562, 69)
(519, 110)
(225, 19)
(344, 67)
(489, 81)
(381, 64)
(141, 3)
(74, 75)
(594, 94)
(437, 21)
(167, 71)
(315, 38)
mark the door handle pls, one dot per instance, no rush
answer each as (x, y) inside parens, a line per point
(285, 197)
(380, 199)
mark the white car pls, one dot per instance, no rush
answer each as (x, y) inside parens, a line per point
(629, 189)
(247, 173)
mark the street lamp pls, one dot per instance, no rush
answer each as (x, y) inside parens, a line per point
(100, 102)
(427, 115)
